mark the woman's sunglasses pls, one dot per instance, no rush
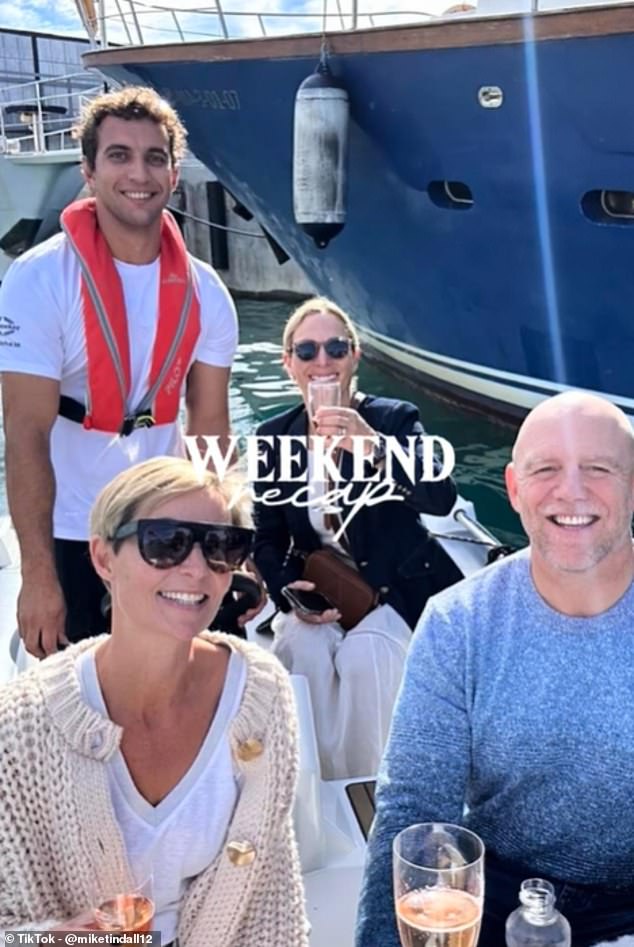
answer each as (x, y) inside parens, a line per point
(307, 350)
(164, 543)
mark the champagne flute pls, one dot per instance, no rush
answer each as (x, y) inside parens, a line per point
(326, 393)
(323, 393)
(438, 885)
(131, 911)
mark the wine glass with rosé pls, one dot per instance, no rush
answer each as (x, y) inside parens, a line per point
(130, 911)
(438, 885)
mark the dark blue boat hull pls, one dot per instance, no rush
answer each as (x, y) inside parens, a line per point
(503, 301)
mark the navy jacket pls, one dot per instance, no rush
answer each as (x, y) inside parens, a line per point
(390, 545)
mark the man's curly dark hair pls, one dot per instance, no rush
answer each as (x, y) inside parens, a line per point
(130, 103)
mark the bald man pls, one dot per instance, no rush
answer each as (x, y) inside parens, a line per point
(516, 714)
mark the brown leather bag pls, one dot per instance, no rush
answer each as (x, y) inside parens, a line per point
(342, 584)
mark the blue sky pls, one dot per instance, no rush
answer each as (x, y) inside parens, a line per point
(59, 16)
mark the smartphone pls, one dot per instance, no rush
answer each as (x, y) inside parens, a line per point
(312, 603)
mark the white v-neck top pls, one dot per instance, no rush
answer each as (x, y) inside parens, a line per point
(318, 507)
(176, 839)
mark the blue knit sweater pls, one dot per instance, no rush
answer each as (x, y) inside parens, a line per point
(526, 716)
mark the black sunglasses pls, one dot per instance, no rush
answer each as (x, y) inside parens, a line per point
(308, 349)
(164, 543)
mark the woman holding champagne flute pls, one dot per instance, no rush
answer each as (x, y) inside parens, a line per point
(353, 672)
(161, 745)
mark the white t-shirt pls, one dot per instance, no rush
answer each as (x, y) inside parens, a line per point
(177, 839)
(42, 333)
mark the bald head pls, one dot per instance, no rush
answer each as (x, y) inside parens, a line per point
(577, 415)
(572, 482)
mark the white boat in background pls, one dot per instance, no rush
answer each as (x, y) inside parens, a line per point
(39, 161)
(332, 818)
(40, 174)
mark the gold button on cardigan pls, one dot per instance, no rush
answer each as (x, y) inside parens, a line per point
(249, 749)
(241, 853)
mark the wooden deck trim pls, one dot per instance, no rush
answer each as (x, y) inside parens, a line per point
(442, 34)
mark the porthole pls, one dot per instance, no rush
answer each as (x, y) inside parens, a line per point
(609, 206)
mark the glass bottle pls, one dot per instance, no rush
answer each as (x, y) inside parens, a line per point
(537, 922)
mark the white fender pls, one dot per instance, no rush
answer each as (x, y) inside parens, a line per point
(320, 151)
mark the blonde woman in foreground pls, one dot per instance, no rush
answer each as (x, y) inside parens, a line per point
(162, 745)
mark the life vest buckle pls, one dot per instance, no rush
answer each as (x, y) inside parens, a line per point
(133, 421)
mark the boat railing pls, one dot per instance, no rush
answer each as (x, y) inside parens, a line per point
(38, 116)
(142, 22)
(138, 22)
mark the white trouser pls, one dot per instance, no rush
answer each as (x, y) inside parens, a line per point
(353, 680)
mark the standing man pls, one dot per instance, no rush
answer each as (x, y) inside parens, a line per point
(111, 321)
(516, 715)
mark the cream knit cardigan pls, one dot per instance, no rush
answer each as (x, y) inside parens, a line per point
(61, 848)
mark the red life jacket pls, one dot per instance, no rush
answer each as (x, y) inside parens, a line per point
(106, 326)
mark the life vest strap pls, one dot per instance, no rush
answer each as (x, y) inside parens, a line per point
(109, 370)
(75, 411)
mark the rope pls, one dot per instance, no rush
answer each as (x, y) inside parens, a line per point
(496, 550)
(464, 539)
(324, 52)
(209, 223)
